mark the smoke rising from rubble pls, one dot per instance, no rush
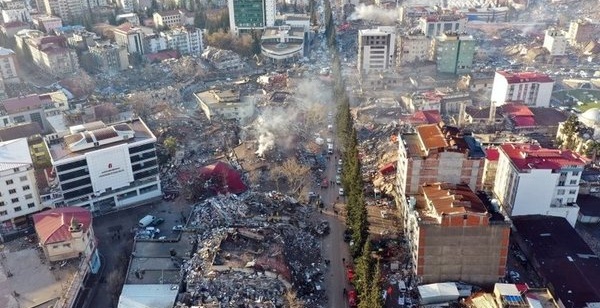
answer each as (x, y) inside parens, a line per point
(266, 141)
(374, 13)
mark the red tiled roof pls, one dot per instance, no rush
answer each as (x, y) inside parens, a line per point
(517, 110)
(492, 154)
(521, 122)
(17, 104)
(528, 156)
(52, 226)
(425, 117)
(450, 199)
(522, 77)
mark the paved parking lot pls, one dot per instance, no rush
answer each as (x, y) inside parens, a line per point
(114, 233)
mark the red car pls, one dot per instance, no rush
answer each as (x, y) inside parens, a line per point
(325, 183)
(352, 298)
(350, 274)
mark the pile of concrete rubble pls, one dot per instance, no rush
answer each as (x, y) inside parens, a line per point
(246, 252)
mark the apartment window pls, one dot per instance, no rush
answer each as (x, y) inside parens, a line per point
(14, 200)
(23, 178)
(2, 203)
(575, 173)
(12, 191)
(560, 192)
(17, 209)
(9, 182)
(26, 187)
(30, 205)
(28, 196)
(563, 174)
(561, 183)
(572, 191)
(573, 182)
(570, 200)
(3, 213)
(16, 169)
(67, 245)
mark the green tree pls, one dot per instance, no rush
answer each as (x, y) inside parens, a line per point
(592, 149)
(569, 130)
(364, 272)
(170, 144)
(374, 298)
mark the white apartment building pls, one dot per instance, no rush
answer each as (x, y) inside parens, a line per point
(555, 41)
(155, 43)
(71, 11)
(102, 167)
(172, 18)
(131, 37)
(529, 88)
(109, 57)
(8, 65)
(436, 25)
(14, 11)
(532, 180)
(247, 15)
(186, 40)
(413, 47)
(54, 59)
(376, 48)
(18, 190)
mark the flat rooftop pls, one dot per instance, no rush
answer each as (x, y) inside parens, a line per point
(61, 150)
(566, 262)
(153, 262)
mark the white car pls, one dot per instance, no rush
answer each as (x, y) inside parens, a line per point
(341, 191)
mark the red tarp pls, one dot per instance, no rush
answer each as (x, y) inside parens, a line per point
(231, 177)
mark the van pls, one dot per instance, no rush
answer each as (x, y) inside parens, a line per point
(146, 221)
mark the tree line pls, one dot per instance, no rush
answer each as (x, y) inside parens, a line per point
(368, 273)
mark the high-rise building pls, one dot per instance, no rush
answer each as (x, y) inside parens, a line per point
(103, 167)
(555, 41)
(376, 49)
(453, 53)
(18, 189)
(454, 235)
(529, 88)
(534, 180)
(8, 66)
(246, 15)
(436, 25)
(438, 153)
(14, 10)
(109, 58)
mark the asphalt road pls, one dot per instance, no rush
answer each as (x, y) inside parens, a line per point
(334, 248)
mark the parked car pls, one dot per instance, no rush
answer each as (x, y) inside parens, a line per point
(341, 192)
(177, 228)
(157, 221)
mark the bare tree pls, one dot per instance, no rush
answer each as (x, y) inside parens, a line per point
(292, 299)
(293, 173)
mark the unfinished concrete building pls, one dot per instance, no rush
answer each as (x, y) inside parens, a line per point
(454, 235)
(438, 153)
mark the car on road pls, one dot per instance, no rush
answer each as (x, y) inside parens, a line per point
(177, 228)
(514, 275)
(341, 192)
(340, 162)
(339, 170)
(338, 179)
(158, 221)
(325, 183)
(352, 299)
(347, 235)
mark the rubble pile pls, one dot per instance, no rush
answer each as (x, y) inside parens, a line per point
(238, 289)
(247, 248)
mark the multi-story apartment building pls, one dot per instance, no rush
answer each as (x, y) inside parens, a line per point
(225, 104)
(131, 37)
(453, 53)
(9, 71)
(438, 153)
(14, 10)
(555, 41)
(168, 19)
(529, 88)
(50, 53)
(454, 236)
(582, 31)
(18, 189)
(109, 58)
(436, 25)
(247, 15)
(70, 11)
(25, 109)
(413, 47)
(490, 168)
(533, 180)
(46, 23)
(376, 49)
(186, 40)
(103, 167)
